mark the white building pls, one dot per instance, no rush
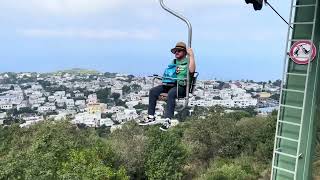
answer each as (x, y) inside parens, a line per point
(23, 104)
(144, 100)
(246, 102)
(119, 91)
(229, 103)
(2, 117)
(125, 116)
(90, 120)
(253, 86)
(59, 94)
(79, 95)
(23, 75)
(36, 87)
(115, 109)
(266, 111)
(143, 93)
(51, 98)
(30, 120)
(80, 103)
(6, 106)
(69, 103)
(92, 99)
(34, 106)
(60, 103)
(131, 104)
(60, 116)
(107, 122)
(47, 108)
(134, 97)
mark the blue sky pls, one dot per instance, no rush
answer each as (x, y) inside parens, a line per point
(231, 40)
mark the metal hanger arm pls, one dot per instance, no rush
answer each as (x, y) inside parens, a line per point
(180, 17)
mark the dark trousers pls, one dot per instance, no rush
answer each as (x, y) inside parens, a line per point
(171, 99)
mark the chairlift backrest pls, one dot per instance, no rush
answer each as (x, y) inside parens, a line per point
(193, 82)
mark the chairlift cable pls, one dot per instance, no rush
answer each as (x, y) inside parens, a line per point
(278, 13)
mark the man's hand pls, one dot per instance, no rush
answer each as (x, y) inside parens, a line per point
(192, 65)
(190, 52)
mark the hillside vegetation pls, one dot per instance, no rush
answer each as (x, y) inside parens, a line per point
(211, 146)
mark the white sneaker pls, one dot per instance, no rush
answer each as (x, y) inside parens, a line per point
(147, 121)
(166, 125)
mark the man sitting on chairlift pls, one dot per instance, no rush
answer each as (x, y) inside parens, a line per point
(182, 56)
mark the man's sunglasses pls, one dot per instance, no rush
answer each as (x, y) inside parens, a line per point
(178, 51)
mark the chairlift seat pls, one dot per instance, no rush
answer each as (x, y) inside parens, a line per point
(164, 96)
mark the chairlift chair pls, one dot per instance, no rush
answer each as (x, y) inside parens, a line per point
(190, 82)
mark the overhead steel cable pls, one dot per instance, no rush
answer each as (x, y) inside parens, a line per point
(278, 13)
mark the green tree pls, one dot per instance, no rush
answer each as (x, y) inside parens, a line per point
(183, 115)
(208, 145)
(44, 84)
(129, 144)
(275, 97)
(277, 83)
(211, 137)
(90, 163)
(136, 88)
(242, 168)
(110, 75)
(46, 150)
(217, 98)
(141, 106)
(115, 96)
(121, 103)
(103, 131)
(25, 110)
(165, 156)
(126, 90)
(256, 136)
(130, 78)
(103, 95)
(316, 163)
(238, 115)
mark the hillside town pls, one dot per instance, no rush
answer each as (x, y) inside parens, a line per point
(94, 99)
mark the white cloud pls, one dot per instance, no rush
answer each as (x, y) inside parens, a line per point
(61, 7)
(85, 7)
(212, 3)
(112, 34)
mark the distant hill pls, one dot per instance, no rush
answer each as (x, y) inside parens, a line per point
(78, 71)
